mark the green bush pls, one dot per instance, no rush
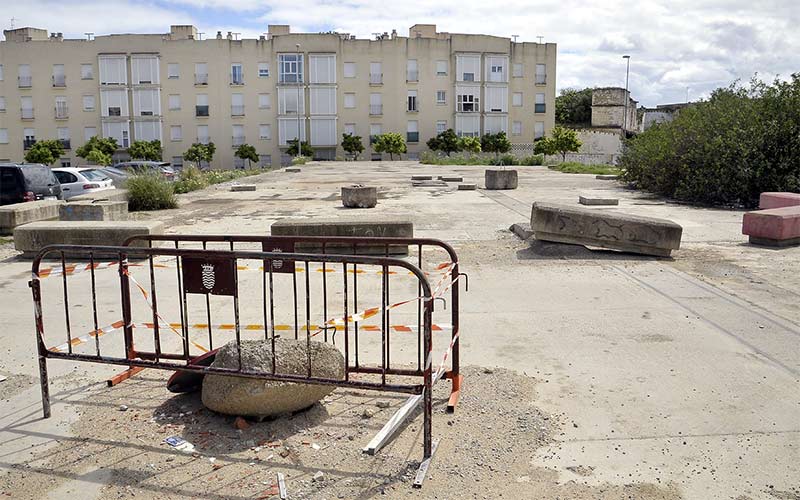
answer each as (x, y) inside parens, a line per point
(532, 160)
(191, 178)
(430, 158)
(574, 167)
(299, 160)
(150, 192)
(504, 160)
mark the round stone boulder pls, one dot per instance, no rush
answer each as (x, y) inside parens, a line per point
(267, 398)
(358, 196)
(500, 179)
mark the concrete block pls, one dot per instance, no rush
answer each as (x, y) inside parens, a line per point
(242, 187)
(358, 196)
(18, 214)
(522, 230)
(467, 187)
(94, 210)
(612, 230)
(768, 201)
(430, 183)
(421, 177)
(606, 177)
(367, 228)
(778, 227)
(104, 195)
(292, 170)
(450, 178)
(31, 238)
(501, 179)
(593, 199)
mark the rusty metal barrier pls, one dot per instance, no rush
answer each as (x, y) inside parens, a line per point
(214, 272)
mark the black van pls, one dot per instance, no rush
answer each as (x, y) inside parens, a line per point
(27, 182)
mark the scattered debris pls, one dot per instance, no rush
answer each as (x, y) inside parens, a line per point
(241, 424)
(282, 486)
(123, 408)
(382, 404)
(319, 476)
(180, 444)
(367, 413)
(3, 378)
(315, 446)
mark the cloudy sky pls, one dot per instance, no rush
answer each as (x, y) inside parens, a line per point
(673, 44)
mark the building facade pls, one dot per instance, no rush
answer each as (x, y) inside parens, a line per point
(180, 89)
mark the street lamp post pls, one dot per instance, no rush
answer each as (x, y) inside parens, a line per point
(627, 73)
(299, 87)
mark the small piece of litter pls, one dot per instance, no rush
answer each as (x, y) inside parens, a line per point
(319, 476)
(123, 408)
(180, 444)
(315, 446)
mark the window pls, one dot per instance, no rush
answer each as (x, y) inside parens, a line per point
(113, 70)
(147, 130)
(412, 100)
(540, 107)
(201, 74)
(265, 131)
(441, 126)
(496, 68)
(201, 105)
(264, 161)
(144, 69)
(25, 80)
(493, 124)
(412, 74)
(175, 133)
(412, 131)
(26, 107)
(349, 100)
(89, 132)
(516, 99)
(323, 101)
(467, 100)
(173, 70)
(287, 130)
(264, 101)
(146, 102)
(496, 99)
(2, 104)
(237, 77)
(288, 101)
(375, 129)
(119, 131)
(202, 134)
(468, 126)
(375, 104)
(177, 161)
(323, 132)
(61, 108)
(541, 74)
(238, 135)
(322, 68)
(517, 70)
(237, 104)
(87, 72)
(238, 163)
(65, 163)
(59, 79)
(3, 136)
(350, 128)
(349, 70)
(88, 103)
(516, 128)
(441, 68)
(290, 67)
(441, 97)
(263, 70)
(375, 73)
(468, 67)
(174, 102)
(538, 130)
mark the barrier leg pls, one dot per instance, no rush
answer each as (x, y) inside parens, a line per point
(43, 382)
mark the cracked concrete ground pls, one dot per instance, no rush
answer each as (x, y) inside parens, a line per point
(681, 372)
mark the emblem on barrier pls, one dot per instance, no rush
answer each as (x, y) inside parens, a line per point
(206, 275)
(279, 246)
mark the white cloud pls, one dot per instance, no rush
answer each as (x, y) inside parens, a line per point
(674, 44)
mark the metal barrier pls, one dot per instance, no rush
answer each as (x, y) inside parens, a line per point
(216, 272)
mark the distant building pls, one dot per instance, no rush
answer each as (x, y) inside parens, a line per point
(602, 142)
(660, 114)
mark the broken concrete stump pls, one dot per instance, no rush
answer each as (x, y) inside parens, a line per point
(606, 177)
(615, 231)
(292, 170)
(777, 227)
(769, 201)
(18, 214)
(500, 179)
(102, 195)
(242, 187)
(365, 228)
(467, 187)
(594, 199)
(450, 178)
(522, 230)
(31, 238)
(249, 397)
(421, 177)
(94, 210)
(358, 196)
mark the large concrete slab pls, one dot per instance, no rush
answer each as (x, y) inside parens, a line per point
(367, 228)
(103, 194)
(31, 238)
(778, 200)
(94, 210)
(612, 230)
(778, 227)
(18, 214)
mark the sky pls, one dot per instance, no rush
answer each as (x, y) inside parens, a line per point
(676, 46)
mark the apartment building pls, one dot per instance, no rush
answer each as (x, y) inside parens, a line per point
(180, 88)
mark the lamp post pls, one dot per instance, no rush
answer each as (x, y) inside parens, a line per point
(627, 73)
(299, 87)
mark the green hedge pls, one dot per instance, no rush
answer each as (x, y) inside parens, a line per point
(150, 192)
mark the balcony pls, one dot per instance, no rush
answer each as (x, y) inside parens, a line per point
(237, 110)
(412, 75)
(25, 82)
(27, 143)
(62, 112)
(237, 80)
(290, 78)
(59, 81)
(201, 78)
(412, 136)
(65, 143)
(541, 79)
(375, 109)
(238, 140)
(201, 110)
(539, 108)
(468, 107)
(27, 113)
(376, 78)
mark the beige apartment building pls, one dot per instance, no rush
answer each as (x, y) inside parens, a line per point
(181, 89)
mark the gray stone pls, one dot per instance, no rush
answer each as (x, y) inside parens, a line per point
(606, 177)
(266, 398)
(358, 196)
(94, 210)
(467, 187)
(522, 230)
(588, 199)
(18, 214)
(103, 194)
(367, 228)
(612, 230)
(31, 238)
(430, 183)
(292, 170)
(421, 177)
(242, 187)
(450, 178)
(501, 179)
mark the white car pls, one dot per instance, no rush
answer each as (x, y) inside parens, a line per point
(76, 181)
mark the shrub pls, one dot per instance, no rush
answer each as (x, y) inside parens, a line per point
(389, 142)
(299, 160)
(150, 192)
(532, 160)
(504, 160)
(191, 179)
(574, 167)
(430, 158)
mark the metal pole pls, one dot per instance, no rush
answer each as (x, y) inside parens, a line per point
(299, 87)
(627, 73)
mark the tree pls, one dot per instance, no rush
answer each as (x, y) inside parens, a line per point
(45, 152)
(574, 107)
(495, 143)
(305, 149)
(247, 152)
(446, 142)
(146, 150)
(562, 140)
(105, 145)
(390, 142)
(97, 157)
(199, 153)
(471, 145)
(352, 144)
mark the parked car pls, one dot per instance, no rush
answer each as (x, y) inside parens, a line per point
(117, 176)
(21, 182)
(143, 167)
(76, 181)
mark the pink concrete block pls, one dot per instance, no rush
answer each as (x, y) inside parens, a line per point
(778, 200)
(777, 226)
